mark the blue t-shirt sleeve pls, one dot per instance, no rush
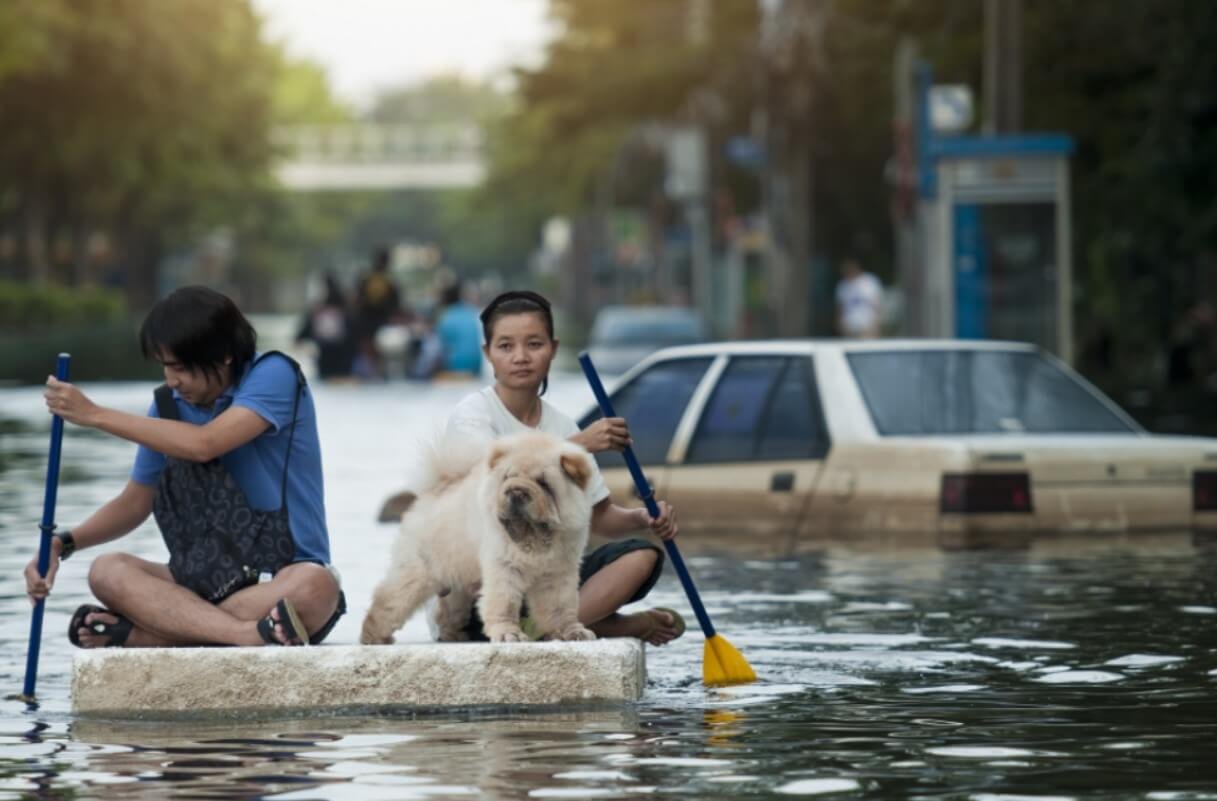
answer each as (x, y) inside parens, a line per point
(148, 463)
(269, 391)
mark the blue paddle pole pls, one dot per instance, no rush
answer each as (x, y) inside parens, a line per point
(723, 664)
(48, 529)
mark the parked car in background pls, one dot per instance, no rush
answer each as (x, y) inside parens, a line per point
(785, 443)
(622, 336)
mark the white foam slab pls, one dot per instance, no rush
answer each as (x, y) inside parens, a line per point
(157, 682)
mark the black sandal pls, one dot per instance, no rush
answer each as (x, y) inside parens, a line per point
(293, 627)
(117, 631)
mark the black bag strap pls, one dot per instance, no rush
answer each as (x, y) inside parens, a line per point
(291, 437)
(166, 409)
(166, 406)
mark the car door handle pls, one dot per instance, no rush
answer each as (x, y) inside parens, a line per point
(634, 488)
(782, 482)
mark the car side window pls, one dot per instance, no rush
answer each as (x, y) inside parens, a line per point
(728, 428)
(652, 404)
(793, 427)
(914, 393)
(764, 407)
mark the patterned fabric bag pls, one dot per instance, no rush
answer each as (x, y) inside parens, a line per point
(218, 544)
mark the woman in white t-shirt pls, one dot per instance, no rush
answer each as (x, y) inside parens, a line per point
(520, 345)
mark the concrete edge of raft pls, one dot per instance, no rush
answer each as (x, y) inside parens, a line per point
(257, 682)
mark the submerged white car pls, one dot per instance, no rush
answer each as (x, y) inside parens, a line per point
(782, 443)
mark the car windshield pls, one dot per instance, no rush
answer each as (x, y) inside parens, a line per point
(659, 327)
(976, 392)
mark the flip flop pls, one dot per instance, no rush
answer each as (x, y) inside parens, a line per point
(117, 631)
(293, 627)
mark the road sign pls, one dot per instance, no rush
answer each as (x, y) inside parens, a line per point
(951, 108)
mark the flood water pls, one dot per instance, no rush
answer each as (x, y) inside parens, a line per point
(1072, 670)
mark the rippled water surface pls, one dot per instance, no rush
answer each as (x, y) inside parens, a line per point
(1072, 670)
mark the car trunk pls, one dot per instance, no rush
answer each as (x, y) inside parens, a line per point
(1098, 482)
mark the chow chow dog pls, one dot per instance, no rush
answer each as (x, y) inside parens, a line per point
(511, 519)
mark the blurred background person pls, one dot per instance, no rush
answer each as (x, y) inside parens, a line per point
(459, 331)
(859, 302)
(327, 325)
(1190, 343)
(426, 357)
(377, 301)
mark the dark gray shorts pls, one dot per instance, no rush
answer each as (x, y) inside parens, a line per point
(605, 555)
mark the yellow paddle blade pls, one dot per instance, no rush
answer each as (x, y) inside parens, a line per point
(724, 665)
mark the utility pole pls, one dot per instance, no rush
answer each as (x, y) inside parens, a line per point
(1003, 67)
(789, 36)
(690, 150)
(903, 181)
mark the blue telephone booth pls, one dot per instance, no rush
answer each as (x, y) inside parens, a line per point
(994, 223)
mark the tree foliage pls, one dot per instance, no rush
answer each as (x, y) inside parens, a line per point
(141, 120)
(301, 94)
(613, 67)
(1133, 84)
(440, 100)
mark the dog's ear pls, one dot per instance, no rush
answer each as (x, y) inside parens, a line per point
(497, 452)
(578, 468)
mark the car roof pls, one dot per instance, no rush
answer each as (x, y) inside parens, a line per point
(812, 346)
(647, 311)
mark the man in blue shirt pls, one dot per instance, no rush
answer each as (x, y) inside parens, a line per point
(460, 332)
(230, 466)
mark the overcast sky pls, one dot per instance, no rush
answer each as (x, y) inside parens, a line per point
(368, 45)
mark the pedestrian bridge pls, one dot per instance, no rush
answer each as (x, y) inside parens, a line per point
(366, 156)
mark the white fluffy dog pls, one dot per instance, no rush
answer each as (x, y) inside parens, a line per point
(513, 520)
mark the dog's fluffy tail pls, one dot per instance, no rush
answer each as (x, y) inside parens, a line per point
(446, 460)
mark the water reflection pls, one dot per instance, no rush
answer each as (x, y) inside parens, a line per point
(1071, 669)
(346, 758)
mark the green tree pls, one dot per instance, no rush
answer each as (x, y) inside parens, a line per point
(301, 94)
(611, 68)
(572, 141)
(440, 100)
(283, 235)
(1136, 89)
(144, 121)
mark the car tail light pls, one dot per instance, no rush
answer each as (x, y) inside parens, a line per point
(985, 492)
(1204, 490)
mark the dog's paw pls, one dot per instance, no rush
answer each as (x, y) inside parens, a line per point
(506, 634)
(367, 639)
(576, 631)
(370, 635)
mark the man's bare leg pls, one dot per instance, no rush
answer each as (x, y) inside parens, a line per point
(610, 588)
(165, 614)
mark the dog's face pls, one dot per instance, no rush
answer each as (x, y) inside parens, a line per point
(540, 488)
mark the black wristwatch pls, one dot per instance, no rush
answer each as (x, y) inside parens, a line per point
(67, 544)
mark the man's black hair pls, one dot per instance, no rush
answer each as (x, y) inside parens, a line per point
(451, 294)
(200, 328)
(517, 302)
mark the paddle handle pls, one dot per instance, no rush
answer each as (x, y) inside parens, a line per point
(648, 497)
(48, 529)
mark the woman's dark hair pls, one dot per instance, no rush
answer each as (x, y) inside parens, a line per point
(201, 329)
(517, 302)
